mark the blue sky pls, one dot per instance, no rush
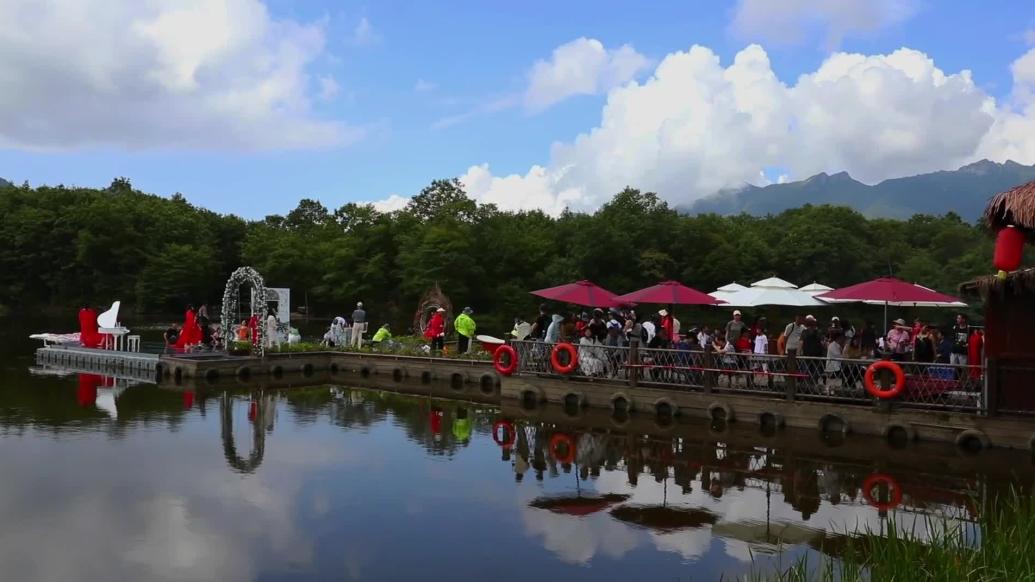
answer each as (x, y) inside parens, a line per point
(373, 100)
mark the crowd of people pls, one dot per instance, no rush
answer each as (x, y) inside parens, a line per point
(827, 351)
(199, 333)
(345, 333)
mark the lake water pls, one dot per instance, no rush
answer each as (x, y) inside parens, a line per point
(103, 481)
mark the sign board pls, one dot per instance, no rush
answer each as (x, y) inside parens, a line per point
(280, 299)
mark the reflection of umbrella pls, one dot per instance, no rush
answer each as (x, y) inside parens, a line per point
(771, 291)
(577, 505)
(663, 518)
(670, 293)
(585, 293)
(760, 532)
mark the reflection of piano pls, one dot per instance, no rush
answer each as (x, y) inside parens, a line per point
(101, 391)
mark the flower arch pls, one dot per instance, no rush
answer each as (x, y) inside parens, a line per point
(231, 296)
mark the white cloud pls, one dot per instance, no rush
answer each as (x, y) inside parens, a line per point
(423, 86)
(329, 88)
(580, 67)
(158, 74)
(696, 127)
(1013, 135)
(391, 204)
(790, 21)
(364, 33)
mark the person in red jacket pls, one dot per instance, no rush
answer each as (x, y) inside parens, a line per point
(436, 330)
(976, 348)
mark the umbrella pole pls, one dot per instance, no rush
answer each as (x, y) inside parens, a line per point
(885, 317)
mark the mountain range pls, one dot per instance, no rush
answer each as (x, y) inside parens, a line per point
(964, 191)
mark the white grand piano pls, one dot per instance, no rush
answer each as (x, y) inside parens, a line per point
(113, 332)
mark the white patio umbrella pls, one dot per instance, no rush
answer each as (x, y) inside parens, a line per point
(816, 288)
(726, 291)
(772, 291)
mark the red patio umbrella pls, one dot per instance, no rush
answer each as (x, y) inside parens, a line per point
(670, 293)
(585, 293)
(891, 291)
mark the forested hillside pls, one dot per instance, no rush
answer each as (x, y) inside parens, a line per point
(63, 246)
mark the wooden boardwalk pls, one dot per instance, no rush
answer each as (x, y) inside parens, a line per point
(106, 362)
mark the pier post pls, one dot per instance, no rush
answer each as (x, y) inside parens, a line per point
(990, 386)
(709, 365)
(634, 360)
(791, 385)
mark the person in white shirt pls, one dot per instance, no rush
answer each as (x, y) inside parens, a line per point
(271, 336)
(761, 355)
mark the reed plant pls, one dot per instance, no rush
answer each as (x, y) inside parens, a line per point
(998, 547)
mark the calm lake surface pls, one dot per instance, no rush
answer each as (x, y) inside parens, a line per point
(104, 481)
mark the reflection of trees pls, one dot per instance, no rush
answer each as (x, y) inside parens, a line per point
(262, 420)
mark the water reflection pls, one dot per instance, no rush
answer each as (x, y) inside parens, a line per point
(329, 482)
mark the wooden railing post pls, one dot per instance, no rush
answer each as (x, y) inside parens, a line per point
(634, 360)
(991, 386)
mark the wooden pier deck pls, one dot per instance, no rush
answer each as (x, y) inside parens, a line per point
(446, 377)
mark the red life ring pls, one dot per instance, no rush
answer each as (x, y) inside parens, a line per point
(874, 390)
(507, 439)
(512, 359)
(894, 491)
(573, 358)
(556, 442)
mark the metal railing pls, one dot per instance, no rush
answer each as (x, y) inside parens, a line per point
(939, 386)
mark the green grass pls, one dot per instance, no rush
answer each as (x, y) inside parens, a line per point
(1000, 547)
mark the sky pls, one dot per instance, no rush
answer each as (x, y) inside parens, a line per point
(247, 106)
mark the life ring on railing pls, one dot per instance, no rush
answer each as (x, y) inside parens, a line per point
(573, 358)
(894, 491)
(512, 360)
(556, 442)
(507, 440)
(874, 390)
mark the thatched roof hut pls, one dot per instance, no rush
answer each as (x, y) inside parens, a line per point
(992, 287)
(1016, 206)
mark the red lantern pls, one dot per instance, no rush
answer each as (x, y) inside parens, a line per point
(1009, 247)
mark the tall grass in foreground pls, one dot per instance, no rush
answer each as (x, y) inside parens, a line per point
(1000, 547)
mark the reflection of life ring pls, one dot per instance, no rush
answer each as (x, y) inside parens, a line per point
(507, 439)
(555, 359)
(558, 441)
(874, 390)
(511, 358)
(894, 491)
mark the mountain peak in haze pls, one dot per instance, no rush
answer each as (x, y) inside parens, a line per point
(964, 191)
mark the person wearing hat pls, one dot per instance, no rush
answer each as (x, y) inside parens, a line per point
(899, 340)
(436, 330)
(598, 325)
(359, 324)
(465, 328)
(735, 327)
